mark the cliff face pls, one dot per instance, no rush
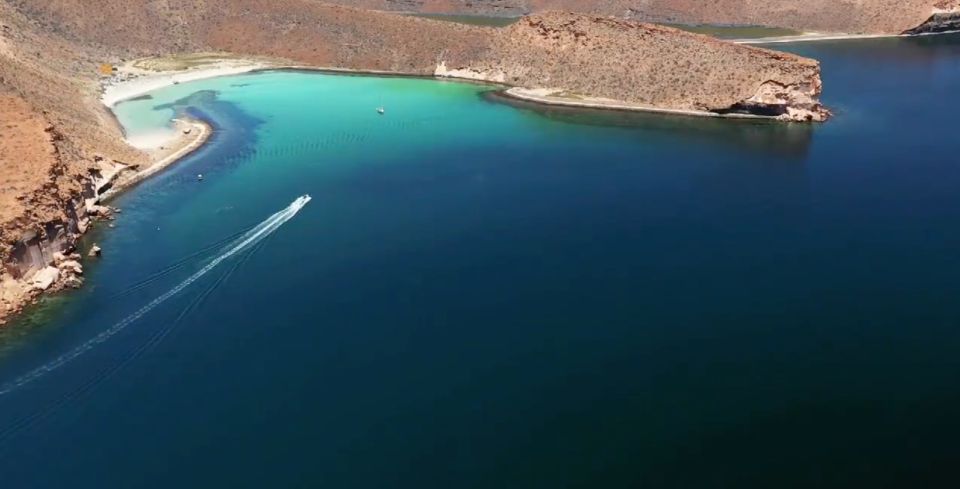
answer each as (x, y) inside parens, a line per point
(52, 136)
(50, 51)
(849, 16)
(945, 18)
(44, 206)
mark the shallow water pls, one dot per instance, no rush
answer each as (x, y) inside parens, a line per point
(483, 295)
(484, 20)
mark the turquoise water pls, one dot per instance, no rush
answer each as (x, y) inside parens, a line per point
(484, 294)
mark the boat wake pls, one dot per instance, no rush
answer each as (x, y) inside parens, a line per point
(246, 241)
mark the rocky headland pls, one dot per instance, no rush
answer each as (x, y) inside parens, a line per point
(62, 151)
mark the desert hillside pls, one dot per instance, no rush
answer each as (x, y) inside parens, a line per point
(849, 16)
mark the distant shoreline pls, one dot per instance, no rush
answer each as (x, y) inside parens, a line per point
(548, 97)
(142, 82)
(131, 82)
(814, 37)
(543, 96)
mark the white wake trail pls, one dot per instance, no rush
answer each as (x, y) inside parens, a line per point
(252, 237)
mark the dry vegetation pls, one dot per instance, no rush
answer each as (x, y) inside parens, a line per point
(26, 155)
(181, 62)
(641, 63)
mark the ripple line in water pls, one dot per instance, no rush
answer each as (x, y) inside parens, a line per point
(252, 237)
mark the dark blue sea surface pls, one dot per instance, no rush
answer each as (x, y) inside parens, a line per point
(490, 295)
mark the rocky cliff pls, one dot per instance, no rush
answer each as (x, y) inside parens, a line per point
(945, 18)
(46, 203)
(53, 136)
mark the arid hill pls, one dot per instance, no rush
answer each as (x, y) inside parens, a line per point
(650, 65)
(57, 156)
(849, 16)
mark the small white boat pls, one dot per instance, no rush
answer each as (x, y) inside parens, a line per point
(199, 177)
(380, 110)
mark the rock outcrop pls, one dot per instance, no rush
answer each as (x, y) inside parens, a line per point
(945, 18)
(45, 278)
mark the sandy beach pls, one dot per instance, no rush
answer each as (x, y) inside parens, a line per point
(140, 77)
(136, 78)
(815, 36)
(131, 81)
(190, 135)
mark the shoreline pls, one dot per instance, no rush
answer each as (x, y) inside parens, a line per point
(815, 37)
(184, 144)
(546, 96)
(132, 82)
(188, 135)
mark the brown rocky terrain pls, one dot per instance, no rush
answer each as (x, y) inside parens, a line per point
(51, 134)
(845, 16)
(62, 148)
(41, 205)
(28, 154)
(688, 71)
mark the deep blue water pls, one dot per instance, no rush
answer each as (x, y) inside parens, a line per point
(482, 295)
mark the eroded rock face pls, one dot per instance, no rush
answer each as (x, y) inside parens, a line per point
(45, 204)
(47, 195)
(44, 278)
(945, 18)
(494, 76)
(71, 266)
(799, 103)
